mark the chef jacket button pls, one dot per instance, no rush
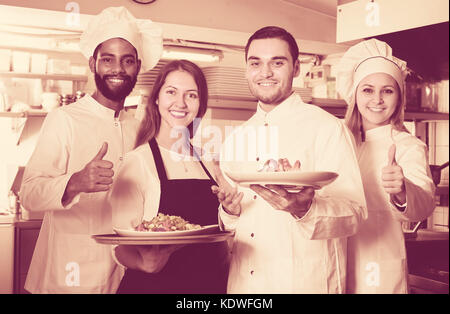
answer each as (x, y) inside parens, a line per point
(120, 158)
(266, 124)
(116, 124)
(257, 158)
(251, 272)
(254, 197)
(252, 235)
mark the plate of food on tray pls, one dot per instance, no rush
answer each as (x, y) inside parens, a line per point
(166, 226)
(165, 230)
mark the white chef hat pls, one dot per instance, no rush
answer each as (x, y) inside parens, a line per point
(118, 22)
(365, 58)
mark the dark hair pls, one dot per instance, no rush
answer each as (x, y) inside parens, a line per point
(275, 32)
(151, 123)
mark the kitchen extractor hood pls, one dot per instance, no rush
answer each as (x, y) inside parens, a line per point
(357, 19)
(425, 49)
(417, 31)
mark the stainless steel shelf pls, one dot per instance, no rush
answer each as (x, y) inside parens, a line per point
(25, 114)
(62, 77)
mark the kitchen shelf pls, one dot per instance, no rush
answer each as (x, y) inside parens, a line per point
(61, 51)
(425, 116)
(338, 107)
(24, 114)
(20, 121)
(61, 77)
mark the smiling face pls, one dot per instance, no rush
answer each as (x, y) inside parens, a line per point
(270, 71)
(377, 97)
(178, 101)
(116, 68)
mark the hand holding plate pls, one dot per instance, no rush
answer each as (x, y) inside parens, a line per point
(297, 203)
(227, 195)
(279, 198)
(153, 258)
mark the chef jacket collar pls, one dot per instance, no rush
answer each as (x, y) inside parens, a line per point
(280, 111)
(97, 108)
(378, 133)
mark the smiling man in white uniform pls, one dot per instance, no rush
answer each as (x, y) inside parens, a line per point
(288, 241)
(80, 147)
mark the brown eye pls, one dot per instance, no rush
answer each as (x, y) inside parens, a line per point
(130, 61)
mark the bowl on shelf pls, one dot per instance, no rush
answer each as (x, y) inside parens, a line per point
(50, 101)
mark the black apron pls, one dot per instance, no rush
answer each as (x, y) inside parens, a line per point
(195, 268)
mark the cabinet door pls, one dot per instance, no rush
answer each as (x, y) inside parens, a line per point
(6, 258)
(24, 247)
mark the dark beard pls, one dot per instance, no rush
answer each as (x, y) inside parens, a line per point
(119, 93)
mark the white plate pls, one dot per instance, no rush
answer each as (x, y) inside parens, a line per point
(155, 234)
(293, 180)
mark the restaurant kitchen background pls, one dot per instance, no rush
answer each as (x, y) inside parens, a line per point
(41, 68)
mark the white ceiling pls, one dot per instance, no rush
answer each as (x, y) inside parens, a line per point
(327, 7)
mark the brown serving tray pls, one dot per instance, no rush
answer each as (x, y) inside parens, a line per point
(163, 240)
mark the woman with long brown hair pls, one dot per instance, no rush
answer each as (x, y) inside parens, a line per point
(165, 174)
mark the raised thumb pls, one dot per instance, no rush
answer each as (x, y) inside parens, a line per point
(102, 152)
(216, 171)
(391, 155)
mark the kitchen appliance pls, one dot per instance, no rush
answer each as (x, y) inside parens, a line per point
(413, 95)
(7, 251)
(436, 172)
(430, 99)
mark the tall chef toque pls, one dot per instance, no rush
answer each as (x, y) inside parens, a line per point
(118, 22)
(365, 58)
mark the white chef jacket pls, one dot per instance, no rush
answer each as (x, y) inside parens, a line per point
(377, 255)
(273, 252)
(66, 259)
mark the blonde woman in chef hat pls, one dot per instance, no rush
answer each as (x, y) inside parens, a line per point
(394, 167)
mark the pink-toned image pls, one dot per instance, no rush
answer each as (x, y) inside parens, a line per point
(214, 148)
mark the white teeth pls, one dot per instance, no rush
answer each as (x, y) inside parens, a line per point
(266, 84)
(375, 109)
(116, 80)
(178, 113)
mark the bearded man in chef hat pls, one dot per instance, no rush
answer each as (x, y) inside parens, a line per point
(116, 24)
(393, 163)
(80, 147)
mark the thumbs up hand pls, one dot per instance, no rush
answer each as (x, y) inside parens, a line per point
(96, 176)
(227, 195)
(393, 180)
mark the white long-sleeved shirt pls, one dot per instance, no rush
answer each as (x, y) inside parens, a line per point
(377, 255)
(273, 252)
(66, 259)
